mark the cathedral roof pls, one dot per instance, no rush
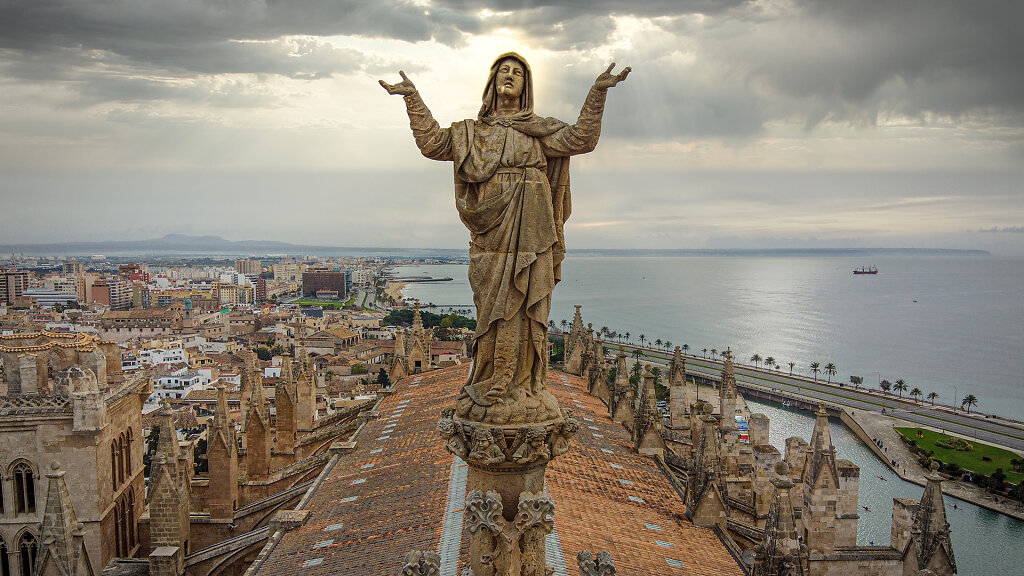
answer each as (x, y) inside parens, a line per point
(400, 490)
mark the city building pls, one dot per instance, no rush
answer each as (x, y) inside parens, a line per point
(12, 285)
(317, 279)
(113, 293)
(288, 271)
(245, 266)
(47, 298)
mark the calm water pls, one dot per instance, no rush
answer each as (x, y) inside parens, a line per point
(938, 322)
(943, 324)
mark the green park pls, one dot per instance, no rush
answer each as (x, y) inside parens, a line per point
(969, 455)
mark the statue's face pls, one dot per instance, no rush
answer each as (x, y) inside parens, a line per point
(510, 79)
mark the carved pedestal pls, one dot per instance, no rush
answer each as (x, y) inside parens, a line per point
(508, 512)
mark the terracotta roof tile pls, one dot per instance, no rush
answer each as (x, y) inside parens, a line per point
(389, 495)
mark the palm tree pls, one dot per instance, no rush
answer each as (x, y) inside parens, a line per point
(705, 352)
(830, 369)
(932, 396)
(770, 362)
(658, 342)
(668, 344)
(791, 365)
(885, 385)
(815, 368)
(900, 386)
(627, 336)
(916, 393)
(564, 323)
(605, 331)
(714, 352)
(969, 400)
(685, 347)
(642, 338)
(756, 359)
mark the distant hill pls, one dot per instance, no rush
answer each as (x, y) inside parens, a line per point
(185, 244)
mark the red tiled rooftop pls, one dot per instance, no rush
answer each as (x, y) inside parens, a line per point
(389, 495)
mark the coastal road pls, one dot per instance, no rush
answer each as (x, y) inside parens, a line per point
(986, 428)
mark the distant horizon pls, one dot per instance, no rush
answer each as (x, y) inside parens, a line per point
(215, 245)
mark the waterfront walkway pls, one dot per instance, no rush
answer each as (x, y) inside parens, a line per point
(897, 455)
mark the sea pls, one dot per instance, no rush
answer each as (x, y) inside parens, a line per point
(947, 323)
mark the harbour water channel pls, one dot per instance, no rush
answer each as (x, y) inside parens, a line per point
(985, 542)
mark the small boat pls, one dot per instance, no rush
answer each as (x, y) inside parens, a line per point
(865, 270)
(866, 508)
(883, 478)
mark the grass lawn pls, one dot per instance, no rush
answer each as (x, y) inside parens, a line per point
(971, 460)
(324, 303)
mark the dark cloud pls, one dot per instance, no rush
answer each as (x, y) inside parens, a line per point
(854, 60)
(744, 63)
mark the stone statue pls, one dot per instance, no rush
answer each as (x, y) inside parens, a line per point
(512, 193)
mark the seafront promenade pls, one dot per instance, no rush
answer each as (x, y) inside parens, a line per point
(979, 426)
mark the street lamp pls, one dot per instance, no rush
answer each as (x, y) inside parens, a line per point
(954, 396)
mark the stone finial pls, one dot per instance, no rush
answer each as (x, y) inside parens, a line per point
(601, 565)
(782, 469)
(425, 563)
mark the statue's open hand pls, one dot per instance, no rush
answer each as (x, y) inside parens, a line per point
(607, 79)
(405, 87)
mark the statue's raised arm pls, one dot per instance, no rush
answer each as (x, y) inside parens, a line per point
(433, 141)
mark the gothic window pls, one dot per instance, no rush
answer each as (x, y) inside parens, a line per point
(131, 519)
(120, 461)
(24, 489)
(27, 548)
(5, 563)
(128, 452)
(123, 544)
(113, 465)
(118, 529)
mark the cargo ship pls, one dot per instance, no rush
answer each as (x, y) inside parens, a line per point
(866, 270)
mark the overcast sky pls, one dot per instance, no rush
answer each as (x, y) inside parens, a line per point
(744, 124)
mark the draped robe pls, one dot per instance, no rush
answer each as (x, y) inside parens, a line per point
(512, 193)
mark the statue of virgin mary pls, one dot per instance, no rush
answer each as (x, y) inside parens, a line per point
(512, 192)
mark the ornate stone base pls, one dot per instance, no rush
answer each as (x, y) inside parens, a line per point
(508, 512)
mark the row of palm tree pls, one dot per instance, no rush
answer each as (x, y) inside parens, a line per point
(769, 362)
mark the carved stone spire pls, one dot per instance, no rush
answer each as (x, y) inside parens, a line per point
(779, 553)
(727, 391)
(622, 408)
(285, 401)
(573, 354)
(222, 456)
(679, 401)
(599, 376)
(63, 550)
(417, 320)
(821, 488)
(821, 438)
(167, 443)
(930, 532)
